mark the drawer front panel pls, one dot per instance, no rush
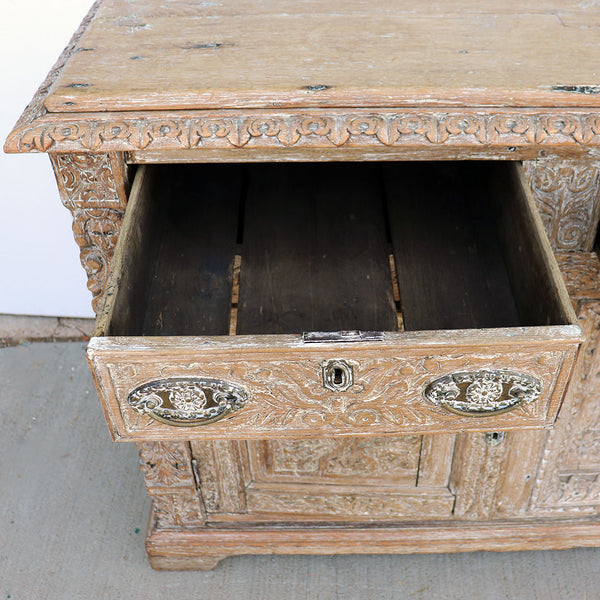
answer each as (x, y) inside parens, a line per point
(284, 391)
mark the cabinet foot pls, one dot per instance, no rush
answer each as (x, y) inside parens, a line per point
(177, 562)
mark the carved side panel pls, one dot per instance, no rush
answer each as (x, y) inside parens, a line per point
(567, 194)
(344, 479)
(170, 481)
(94, 188)
(349, 479)
(568, 481)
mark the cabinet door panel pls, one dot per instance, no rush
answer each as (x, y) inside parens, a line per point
(332, 479)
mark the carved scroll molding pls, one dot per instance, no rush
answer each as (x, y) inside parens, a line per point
(568, 481)
(94, 188)
(567, 194)
(311, 128)
(167, 469)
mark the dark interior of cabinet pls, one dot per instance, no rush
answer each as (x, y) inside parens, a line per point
(290, 248)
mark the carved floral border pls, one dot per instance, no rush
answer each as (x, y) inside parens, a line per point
(318, 128)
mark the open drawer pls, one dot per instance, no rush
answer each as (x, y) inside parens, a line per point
(275, 300)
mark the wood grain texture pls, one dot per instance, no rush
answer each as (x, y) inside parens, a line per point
(538, 287)
(195, 247)
(121, 312)
(143, 57)
(127, 80)
(448, 257)
(283, 88)
(314, 257)
(314, 254)
(352, 154)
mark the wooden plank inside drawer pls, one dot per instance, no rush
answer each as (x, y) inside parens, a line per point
(314, 251)
(191, 285)
(176, 276)
(451, 270)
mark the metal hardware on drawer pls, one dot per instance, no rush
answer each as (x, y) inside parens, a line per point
(314, 337)
(187, 401)
(338, 375)
(494, 438)
(483, 393)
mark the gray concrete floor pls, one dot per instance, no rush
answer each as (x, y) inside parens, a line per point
(73, 514)
(17, 329)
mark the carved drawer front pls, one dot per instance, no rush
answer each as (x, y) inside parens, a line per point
(277, 300)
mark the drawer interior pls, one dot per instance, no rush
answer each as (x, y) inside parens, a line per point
(295, 247)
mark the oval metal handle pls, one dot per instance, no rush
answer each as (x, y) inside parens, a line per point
(483, 393)
(187, 401)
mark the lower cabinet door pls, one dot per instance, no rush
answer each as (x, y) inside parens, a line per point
(391, 478)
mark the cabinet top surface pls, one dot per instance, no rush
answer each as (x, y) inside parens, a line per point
(194, 54)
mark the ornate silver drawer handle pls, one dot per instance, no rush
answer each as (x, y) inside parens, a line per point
(187, 401)
(483, 393)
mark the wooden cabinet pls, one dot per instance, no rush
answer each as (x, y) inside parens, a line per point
(347, 299)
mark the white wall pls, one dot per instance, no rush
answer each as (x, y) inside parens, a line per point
(40, 273)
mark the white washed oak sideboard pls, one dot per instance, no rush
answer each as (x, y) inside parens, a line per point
(342, 258)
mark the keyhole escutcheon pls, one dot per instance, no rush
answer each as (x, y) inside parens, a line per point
(338, 375)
